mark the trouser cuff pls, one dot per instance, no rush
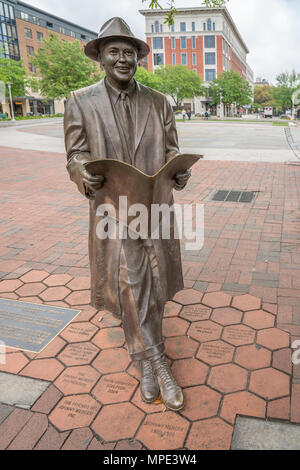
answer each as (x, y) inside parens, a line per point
(148, 353)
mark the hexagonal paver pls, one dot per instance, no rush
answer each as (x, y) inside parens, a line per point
(10, 285)
(205, 331)
(55, 293)
(200, 403)
(34, 276)
(82, 297)
(180, 347)
(31, 289)
(74, 412)
(78, 354)
(105, 319)
(226, 316)
(124, 420)
(52, 349)
(109, 338)
(238, 335)
(76, 332)
(282, 360)
(112, 360)
(210, 434)
(13, 363)
(269, 383)
(44, 369)
(114, 388)
(196, 312)
(259, 319)
(189, 372)
(174, 327)
(57, 280)
(80, 283)
(172, 309)
(79, 379)
(228, 378)
(217, 299)
(188, 297)
(86, 313)
(273, 338)
(246, 302)
(215, 352)
(253, 357)
(242, 403)
(163, 431)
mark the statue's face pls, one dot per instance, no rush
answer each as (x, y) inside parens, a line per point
(119, 59)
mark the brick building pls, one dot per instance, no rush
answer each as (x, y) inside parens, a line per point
(205, 40)
(22, 30)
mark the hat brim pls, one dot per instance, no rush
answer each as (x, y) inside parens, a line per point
(91, 50)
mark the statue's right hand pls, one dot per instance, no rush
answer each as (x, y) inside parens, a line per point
(92, 183)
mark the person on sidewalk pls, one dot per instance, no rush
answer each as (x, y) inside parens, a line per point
(121, 119)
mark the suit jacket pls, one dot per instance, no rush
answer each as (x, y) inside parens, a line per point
(91, 133)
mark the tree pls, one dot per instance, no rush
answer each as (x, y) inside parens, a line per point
(263, 96)
(231, 88)
(63, 68)
(179, 82)
(169, 19)
(14, 72)
(287, 83)
(147, 78)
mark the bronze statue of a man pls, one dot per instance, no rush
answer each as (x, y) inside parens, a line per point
(118, 118)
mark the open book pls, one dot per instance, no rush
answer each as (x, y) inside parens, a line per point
(123, 179)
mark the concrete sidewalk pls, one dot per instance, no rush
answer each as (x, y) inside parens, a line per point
(228, 334)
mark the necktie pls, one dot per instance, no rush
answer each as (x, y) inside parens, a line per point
(128, 124)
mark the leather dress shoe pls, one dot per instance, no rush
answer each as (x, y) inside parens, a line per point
(170, 391)
(149, 383)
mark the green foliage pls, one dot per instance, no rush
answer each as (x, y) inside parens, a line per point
(147, 78)
(179, 82)
(169, 18)
(287, 83)
(263, 96)
(230, 88)
(63, 67)
(14, 72)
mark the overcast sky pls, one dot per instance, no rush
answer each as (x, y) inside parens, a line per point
(270, 28)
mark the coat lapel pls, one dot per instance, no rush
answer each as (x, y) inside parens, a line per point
(143, 107)
(106, 113)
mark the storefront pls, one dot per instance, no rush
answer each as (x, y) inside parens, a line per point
(40, 107)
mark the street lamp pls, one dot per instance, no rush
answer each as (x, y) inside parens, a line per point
(11, 104)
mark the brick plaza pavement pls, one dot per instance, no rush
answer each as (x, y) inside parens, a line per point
(228, 334)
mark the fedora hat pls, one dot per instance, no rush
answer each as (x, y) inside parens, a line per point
(115, 28)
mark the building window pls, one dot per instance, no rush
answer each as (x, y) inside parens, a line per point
(210, 58)
(214, 26)
(209, 42)
(173, 59)
(12, 13)
(184, 59)
(6, 10)
(161, 28)
(204, 26)
(30, 50)
(195, 70)
(173, 28)
(152, 28)
(193, 26)
(183, 42)
(24, 16)
(35, 20)
(158, 43)
(194, 58)
(1, 9)
(72, 34)
(39, 36)
(62, 30)
(28, 33)
(156, 26)
(4, 30)
(158, 59)
(182, 27)
(209, 25)
(83, 36)
(210, 75)
(173, 43)
(194, 42)
(49, 25)
(32, 68)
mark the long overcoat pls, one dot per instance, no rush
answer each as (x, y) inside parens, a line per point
(91, 133)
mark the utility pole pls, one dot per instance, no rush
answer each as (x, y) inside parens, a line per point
(11, 104)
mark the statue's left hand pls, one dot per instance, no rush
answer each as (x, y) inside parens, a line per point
(181, 179)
